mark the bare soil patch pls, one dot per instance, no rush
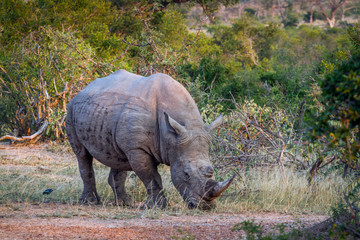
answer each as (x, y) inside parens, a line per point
(66, 221)
(62, 221)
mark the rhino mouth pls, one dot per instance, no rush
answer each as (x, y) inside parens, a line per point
(192, 203)
(200, 203)
(212, 189)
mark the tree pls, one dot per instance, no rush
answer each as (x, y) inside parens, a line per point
(310, 6)
(333, 5)
(339, 123)
(19, 17)
(246, 41)
(340, 90)
(351, 4)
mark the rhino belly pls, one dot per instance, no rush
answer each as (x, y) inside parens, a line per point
(95, 129)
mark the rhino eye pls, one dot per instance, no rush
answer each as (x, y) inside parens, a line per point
(187, 176)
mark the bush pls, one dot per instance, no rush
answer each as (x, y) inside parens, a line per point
(340, 120)
(291, 19)
(338, 124)
(40, 76)
(250, 11)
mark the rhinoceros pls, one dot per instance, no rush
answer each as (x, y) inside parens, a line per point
(134, 123)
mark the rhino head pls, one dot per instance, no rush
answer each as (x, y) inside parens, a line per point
(190, 167)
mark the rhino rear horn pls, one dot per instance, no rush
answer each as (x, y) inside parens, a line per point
(218, 188)
(179, 129)
(216, 123)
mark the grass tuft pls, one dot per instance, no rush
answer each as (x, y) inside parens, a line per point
(282, 191)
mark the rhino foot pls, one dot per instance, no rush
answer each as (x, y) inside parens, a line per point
(158, 201)
(89, 198)
(125, 201)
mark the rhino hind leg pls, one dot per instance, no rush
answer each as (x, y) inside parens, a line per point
(85, 161)
(117, 180)
(144, 167)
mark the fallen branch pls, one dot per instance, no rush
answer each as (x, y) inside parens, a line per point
(352, 230)
(26, 138)
(354, 209)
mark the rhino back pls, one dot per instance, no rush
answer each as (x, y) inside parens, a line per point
(124, 111)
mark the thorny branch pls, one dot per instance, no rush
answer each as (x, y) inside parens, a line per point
(248, 139)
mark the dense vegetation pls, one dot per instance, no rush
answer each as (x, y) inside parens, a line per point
(289, 89)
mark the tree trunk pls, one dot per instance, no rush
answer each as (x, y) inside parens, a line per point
(311, 10)
(331, 21)
(272, 11)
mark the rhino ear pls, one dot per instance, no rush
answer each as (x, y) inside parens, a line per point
(216, 123)
(179, 129)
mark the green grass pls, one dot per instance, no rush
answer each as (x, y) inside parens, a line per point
(24, 180)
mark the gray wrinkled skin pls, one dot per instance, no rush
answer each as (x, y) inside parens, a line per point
(134, 123)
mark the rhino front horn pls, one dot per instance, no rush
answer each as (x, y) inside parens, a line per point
(218, 188)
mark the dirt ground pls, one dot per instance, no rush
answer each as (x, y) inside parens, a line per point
(66, 221)
(45, 221)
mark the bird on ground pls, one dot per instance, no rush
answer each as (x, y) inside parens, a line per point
(47, 191)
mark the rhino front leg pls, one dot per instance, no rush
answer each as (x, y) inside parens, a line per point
(117, 180)
(85, 161)
(146, 169)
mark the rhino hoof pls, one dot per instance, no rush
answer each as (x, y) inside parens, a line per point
(89, 198)
(125, 201)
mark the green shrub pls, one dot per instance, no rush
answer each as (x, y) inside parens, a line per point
(40, 76)
(254, 231)
(291, 19)
(338, 123)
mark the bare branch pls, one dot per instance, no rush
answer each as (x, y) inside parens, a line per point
(26, 138)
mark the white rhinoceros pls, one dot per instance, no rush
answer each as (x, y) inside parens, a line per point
(134, 123)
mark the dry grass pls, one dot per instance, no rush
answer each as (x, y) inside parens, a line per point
(288, 192)
(23, 178)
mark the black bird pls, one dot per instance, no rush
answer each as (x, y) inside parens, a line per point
(47, 191)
